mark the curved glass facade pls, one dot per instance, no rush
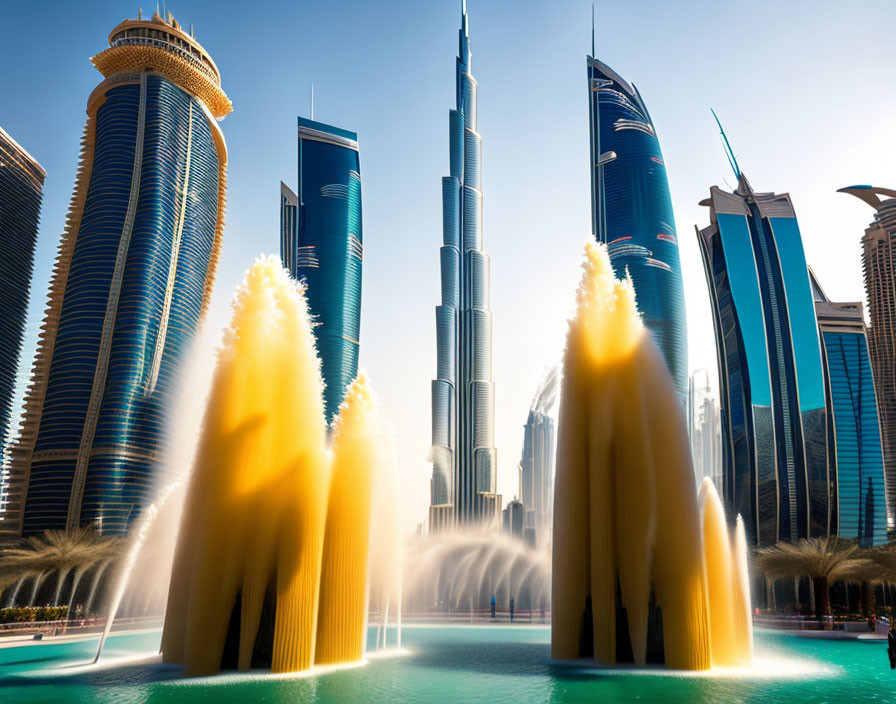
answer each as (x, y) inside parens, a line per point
(21, 190)
(774, 419)
(322, 244)
(632, 211)
(859, 509)
(463, 394)
(131, 283)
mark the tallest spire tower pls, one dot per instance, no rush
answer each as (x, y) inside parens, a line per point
(463, 393)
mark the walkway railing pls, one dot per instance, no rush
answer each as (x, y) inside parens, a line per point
(502, 615)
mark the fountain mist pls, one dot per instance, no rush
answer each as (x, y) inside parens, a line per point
(259, 555)
(459, 570)
(629, 581)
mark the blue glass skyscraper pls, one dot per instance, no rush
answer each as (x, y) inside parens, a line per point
(21, 190)
(132, 280)
(858, 506)
(631, 210)
(463, 393)
(321, 243)
(879, 266)
(772, 387)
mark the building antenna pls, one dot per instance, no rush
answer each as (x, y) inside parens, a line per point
(312, 101)
(592, 31)
(732, 160)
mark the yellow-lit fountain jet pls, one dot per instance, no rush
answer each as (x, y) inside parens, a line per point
(631, 579)
(271, 564)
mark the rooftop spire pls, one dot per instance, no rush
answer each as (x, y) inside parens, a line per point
(732, 160)
(592, 31)
(464, 44)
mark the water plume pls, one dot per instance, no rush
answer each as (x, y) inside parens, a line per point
(743, 618)
(386, 564)
(727, 583)
(97, 575)
(274, 525)
(628, 581)
(341, 617)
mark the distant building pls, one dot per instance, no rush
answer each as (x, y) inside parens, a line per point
(21, 191)
(858, 508)
(537, 461)
(631, 210)
(464, 459)
(131, 283)
(705, 424)
(289, 227)
(488, 508)
(321, 243)
(771, 378)
(879, 264)
(514, 518)
(441, 518)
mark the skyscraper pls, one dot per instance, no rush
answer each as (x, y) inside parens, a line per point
(132, 280)
(21, 190)
(463, 393)
(631, 210)
(706, 433)
(858, 506)
(771, 380)
(513, 519)
(879, 264)
(537, 461)
(321, 242)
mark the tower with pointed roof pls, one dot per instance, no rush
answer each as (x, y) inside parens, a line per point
(631, 210)
(463, 393)
(776, 470)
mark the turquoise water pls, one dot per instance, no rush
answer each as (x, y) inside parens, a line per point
(450, 664)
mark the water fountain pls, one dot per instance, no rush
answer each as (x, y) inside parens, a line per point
(271, 564)
(461, 570)
(629, 570)
(243, 594)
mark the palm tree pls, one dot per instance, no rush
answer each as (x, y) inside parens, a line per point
(884, 557)
(866, 572)
(59, 552)
(824, 560)
(881, 566)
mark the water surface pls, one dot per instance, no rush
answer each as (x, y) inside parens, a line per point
(449, 664)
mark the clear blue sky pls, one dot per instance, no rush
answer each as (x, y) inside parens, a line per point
(805, 90)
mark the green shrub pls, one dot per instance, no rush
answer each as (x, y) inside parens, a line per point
(25, 614)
